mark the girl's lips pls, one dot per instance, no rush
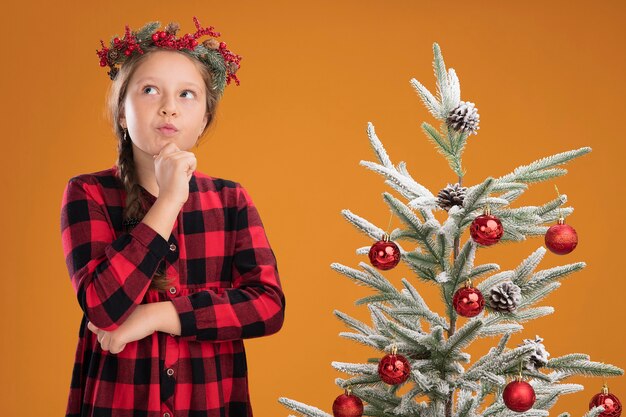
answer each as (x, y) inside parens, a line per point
(167, 131)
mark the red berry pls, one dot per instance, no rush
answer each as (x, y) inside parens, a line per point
(161, 35)
(127, 52)
(155, 36)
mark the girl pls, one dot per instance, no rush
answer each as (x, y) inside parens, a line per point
(171, 267)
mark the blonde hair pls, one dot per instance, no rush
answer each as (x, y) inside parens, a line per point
(135, 201)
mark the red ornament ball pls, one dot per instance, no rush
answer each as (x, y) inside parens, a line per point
(486, 229)
(384, 254)
(347, 405)
(561, 238)
(519, 396)
(468, 301)
(394, 369)
(612, 405)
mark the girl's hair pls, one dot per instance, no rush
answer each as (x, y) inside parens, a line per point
(135, 201)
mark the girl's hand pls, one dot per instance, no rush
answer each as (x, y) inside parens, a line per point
(173, 169)
(136, 327)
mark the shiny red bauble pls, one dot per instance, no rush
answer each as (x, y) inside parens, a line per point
(486, 229)
(561, 238)
(612, 405)
(347, 405)
(519, 396)
(384, 254)
(394, 369)
(468, 301)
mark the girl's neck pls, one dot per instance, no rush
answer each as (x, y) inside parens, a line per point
(144, 169)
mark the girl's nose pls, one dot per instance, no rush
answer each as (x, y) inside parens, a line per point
(169, 106)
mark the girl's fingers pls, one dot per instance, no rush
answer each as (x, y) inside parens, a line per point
(92, 327)
(104, 344)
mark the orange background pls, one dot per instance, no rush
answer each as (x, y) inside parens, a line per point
(545, 76)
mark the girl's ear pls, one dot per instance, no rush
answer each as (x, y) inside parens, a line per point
(122, 119)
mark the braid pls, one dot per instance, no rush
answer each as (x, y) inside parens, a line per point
(135, 203)
(126, 165)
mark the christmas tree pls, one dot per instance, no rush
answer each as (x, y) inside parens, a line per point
(423, 350)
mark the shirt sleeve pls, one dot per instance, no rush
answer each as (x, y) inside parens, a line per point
(110, 276)
(255, 305)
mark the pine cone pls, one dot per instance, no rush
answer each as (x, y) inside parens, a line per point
(113, 54)
(113, 73)
(464, 118)
(452, 195)
(539, 357)
(505, 297)
(211, 43)
(232, 67)
(172, 28)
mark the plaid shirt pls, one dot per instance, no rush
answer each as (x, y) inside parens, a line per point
(226, 288)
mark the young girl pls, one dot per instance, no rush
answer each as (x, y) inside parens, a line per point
(171, 267)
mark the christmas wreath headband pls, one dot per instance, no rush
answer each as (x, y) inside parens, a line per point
(222, 63)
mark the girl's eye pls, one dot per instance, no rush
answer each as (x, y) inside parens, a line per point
(148, 87)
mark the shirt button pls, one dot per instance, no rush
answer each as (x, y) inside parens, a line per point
(173, 290)
(170, 371)
(172, 247)
(166, 414)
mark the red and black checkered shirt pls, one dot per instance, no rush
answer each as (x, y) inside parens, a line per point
(225, 288)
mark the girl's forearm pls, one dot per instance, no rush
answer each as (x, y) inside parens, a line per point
(164, 317)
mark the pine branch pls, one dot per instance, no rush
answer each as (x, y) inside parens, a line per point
(417, 306)
(355, 368)
(432, 104)
(411, 186)
(376, 394)
(370, 277)
(499, 362)
(443, 84)
(378, 147)
(423, 230)
(363, 225)
(529, 298)
(462, 337)
(303, 409)
(586, 368)
(435, 137)
(521, 316)
(595, 411)
(480, 270)
(419, 341)
(497, 329)
(546, 276)
(530, 171)
(354, 323)
(370, 341)
(523, 271)
(475, 193)
(494, 280)
(567, 358)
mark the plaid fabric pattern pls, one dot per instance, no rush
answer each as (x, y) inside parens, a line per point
(225, 288)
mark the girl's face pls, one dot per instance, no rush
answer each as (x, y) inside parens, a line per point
(166, 87)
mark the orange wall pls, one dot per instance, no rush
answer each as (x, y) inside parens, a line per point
(545, 76)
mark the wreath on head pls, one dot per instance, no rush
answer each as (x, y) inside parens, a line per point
(222, 63)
